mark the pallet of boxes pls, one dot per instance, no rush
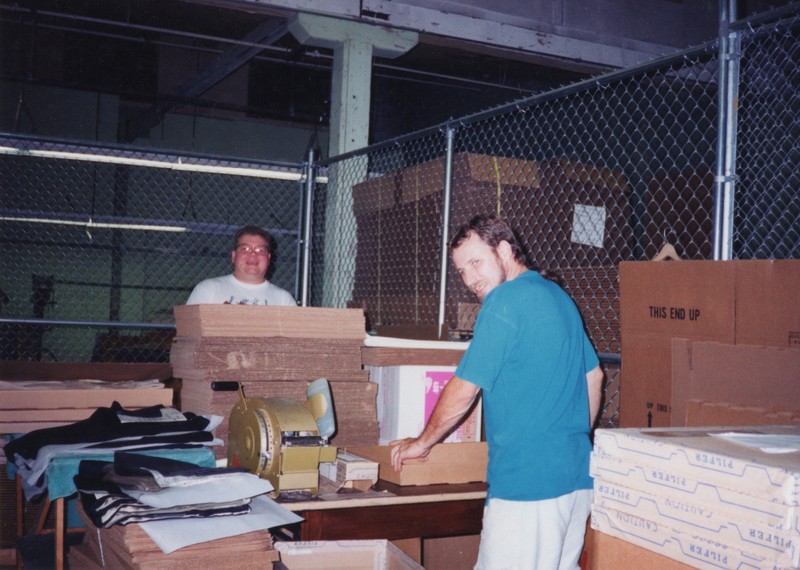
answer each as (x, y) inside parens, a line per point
(705, 472)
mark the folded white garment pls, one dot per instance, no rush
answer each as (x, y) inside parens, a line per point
(231, 487)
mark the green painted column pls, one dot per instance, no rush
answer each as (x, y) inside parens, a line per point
(354, 44)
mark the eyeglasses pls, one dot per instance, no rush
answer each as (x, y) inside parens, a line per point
(248, 248)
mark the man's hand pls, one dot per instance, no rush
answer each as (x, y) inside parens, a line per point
(408, 448)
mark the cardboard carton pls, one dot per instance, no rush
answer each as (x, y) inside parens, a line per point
(702, 520)
(605, 552)
(691, 549)
(349, 468)
(755, 376)
(697, 453)
(406, 398)
(729, 302)
(446, 463)
(349, 554)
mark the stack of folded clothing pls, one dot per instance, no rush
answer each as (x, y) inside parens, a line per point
(105, 431)
(127, 503)
(139, 488)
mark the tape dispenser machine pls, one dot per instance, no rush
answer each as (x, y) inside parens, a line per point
(284, 440)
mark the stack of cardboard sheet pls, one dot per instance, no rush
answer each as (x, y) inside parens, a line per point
(129, 546)
(709, 498)
(28, 405)
(38, 395)
(274, 352)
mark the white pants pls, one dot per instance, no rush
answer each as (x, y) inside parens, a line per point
(534, 535)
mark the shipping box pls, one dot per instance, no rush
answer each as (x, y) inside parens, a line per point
(763, 379)
(605, 552)
(701, 498)
(349, 554)
(407, 396)
(446, 463)
(728, 302)
(350, 471)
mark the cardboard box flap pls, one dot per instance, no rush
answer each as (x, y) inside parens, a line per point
(771, 324)
(689, 299)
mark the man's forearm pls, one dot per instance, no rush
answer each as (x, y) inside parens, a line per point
(594, 385)
(454, 402)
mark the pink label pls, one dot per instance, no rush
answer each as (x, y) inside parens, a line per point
(434, 384)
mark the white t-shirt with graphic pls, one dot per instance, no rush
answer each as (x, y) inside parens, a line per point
(228, 289)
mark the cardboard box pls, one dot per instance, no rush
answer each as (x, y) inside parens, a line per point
(690, 549)
(703, 520)
(447, 463)
(759, 376)
(729, 302)
(605, 552)
(696, 452)
(349, 468)
(692, 467)
(349, 554)
(451, 552)
(406, 398)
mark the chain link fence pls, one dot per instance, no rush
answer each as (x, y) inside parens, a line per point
(767, 202)
(611, 169)
(99, 244)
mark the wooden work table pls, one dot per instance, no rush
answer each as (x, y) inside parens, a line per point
(431, 511)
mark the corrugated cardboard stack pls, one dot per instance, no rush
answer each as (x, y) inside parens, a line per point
(38, 395)
(130, 546)
(698, 498)
(588, 205)
(274, 352)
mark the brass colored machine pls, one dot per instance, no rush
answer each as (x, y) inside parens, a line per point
(283, 440)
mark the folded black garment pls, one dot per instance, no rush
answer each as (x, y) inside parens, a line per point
(129, 482)
(103, 425)
(137, 465)
(106, 504)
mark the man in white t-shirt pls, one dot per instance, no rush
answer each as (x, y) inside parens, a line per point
(248, 285)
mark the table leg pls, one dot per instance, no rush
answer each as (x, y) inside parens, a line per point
(60, 524)
(20, 521)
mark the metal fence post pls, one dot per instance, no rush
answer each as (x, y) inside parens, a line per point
(306, 225)
(725, 176)
(448, 182)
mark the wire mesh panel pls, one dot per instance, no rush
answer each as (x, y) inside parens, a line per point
(604, 171)
(93, 238)
(385, 209)
(767, 200)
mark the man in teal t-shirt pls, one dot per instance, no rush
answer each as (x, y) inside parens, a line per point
(541, 384)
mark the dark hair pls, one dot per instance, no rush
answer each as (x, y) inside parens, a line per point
(255, 231)
(492, 230)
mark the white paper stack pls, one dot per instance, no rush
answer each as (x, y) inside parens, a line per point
(707, 497)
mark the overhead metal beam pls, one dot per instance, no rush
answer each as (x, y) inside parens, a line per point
(223, 65)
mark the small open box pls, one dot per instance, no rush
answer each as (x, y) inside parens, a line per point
(447, 463)
(350, 554)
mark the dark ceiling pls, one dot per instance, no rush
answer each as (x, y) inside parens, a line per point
(118, 47)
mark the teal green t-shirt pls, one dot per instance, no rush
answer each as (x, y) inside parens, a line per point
(530, 355)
